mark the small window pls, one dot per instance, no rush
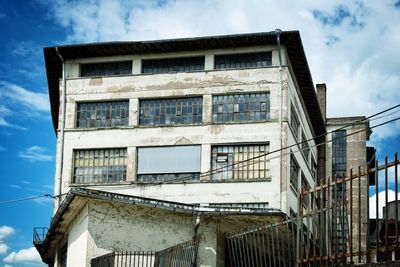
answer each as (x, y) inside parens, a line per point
(102, 114)
(173, 111)
(106, 69)
(100, 166)
(164, 164)
(294, 123)
(240, 162)
(241, 107)
(249, 60)
(294, 173)
(305, 147)
(172, 65)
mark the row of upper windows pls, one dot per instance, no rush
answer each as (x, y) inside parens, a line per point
(250, 107)
(171, 163)
(173, 65)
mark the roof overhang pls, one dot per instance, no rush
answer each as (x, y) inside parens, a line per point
(290, 39)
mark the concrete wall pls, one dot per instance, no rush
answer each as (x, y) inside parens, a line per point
(275, 131)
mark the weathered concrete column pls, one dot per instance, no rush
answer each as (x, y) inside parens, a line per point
(133, 112)
(207, 109)
(131, 166)
(205, 160)
(136, 65)
(209, 61)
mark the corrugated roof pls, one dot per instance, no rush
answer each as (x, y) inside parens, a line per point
(291, 39)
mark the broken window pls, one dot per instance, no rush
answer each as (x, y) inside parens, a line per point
(174, 111)
(294, 173)
(167, 164)
(167, 65)
(100, 165)
(339, 154)
(240, 162)
(305, 186)
(106, 69)
(241, 107)
(248, 60)
(314, 168)
(102, 114)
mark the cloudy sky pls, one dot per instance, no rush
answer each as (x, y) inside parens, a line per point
(352, 46)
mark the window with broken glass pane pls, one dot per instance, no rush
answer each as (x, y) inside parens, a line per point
(100, 166)
(294, 173)
(339, 154)
(241, 107)
(173, 111)
(106, 69)
(294, 123)
(172, 65)
(248, 60)
(102, 114)
(240, 162)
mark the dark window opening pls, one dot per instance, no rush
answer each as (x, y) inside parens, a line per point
(106, 69)
(174, 111)
(241, 107)
(339, 154)
(102, 114)
(167, 65)
(250, 60)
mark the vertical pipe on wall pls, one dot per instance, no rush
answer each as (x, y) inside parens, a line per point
(60, 148)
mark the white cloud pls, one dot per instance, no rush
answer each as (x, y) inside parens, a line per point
(8, 265)
(18, 103)
(35, 153)
(3, 248)
(381, 202)
(26, 256)
(6, 231)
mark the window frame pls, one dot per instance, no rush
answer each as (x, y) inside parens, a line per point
(196, 104)
(105, 63)
(294, 118)
(295, 187)
(231, 175)
(167, 64)
(124, 171)
(247, 60)
(241, 101)
(110, 102)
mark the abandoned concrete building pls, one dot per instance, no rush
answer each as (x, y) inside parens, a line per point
(160, 142)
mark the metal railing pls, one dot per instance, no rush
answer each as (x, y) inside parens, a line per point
(39, 234)
(181, 255)
(334, 228)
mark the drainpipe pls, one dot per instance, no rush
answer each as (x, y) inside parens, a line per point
(196, 228)
(278, 43)
(60, 137)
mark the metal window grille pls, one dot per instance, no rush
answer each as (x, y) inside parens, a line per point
(174, 111)
(106, 69)
(185, 64)
(294, 173)
(249, 60)
(294, 123)
(339, 154)
(241, 107)
(102, 114)
(240, 162)
(100, 165)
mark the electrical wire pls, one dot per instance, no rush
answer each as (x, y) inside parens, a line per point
(209, 173)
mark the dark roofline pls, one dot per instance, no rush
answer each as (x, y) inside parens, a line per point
(290, 39)
(142, 201)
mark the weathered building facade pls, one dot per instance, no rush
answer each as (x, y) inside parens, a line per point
(228, 123)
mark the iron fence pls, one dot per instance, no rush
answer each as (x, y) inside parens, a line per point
(333, 225)
(181, 255)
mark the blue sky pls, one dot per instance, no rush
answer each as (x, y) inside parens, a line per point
(350, 45)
